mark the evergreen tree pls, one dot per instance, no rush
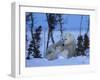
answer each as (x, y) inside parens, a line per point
(28, 47)
(29, 51)
(37, 42)
(86, 38)
(30, 17)
(86, 42)
(33, 48)
(80, 48)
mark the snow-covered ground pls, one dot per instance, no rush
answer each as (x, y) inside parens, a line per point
(36, 62)
(79, 60)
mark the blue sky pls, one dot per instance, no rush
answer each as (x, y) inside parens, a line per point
(70, 21)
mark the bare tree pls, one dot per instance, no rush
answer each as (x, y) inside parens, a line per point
(51, 19)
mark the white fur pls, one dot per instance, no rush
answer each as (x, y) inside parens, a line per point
(57, 49)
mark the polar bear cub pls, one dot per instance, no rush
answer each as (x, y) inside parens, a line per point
(65, 48)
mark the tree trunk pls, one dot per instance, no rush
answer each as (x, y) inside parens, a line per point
(32, 26)
(50, 31)
(88, 25)
(81, 24)
(60, 22)
(48, 40)
(52, 37)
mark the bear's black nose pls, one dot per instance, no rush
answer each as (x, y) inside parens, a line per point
(63, 44)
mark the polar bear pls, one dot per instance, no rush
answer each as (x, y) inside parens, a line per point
(65, 48)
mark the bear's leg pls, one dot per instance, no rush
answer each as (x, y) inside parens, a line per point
(65, 53)
(52, 56)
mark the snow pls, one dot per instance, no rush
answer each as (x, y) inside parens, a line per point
(79, 60)
(36, 62)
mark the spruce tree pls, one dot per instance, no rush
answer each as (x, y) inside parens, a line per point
(86, 42)
(80, 48)
(86, 38)
(28, 47)
(30, 51)
(33, 48)
(37, 42)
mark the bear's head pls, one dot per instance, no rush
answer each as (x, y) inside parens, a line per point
(68, 38)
